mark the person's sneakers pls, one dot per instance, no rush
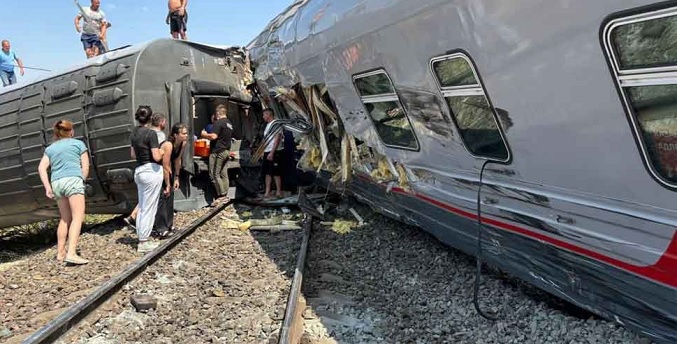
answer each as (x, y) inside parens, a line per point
(130, 222)
(146, 246)
(75, 260)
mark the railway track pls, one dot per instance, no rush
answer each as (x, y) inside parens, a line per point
(382, 282)
(259, 255)
(71, 316)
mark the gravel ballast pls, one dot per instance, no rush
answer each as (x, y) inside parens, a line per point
(391, 283)
(220, 285)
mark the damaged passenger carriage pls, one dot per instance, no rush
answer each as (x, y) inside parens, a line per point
(550, 126)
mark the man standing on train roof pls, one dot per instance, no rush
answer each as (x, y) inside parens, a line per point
(7, 59)
(177, 18)
(93, 30)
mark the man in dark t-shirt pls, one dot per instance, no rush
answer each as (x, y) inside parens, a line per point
(221, 136)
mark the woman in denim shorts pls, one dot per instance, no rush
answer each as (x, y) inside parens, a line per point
(69, 163)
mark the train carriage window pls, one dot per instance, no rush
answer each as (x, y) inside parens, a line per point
(385, 110)
(473, 114)
(646, 44)
(644, 62)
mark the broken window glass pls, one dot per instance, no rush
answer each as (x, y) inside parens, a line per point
(392, 124)
(474, 116)
(385, 110)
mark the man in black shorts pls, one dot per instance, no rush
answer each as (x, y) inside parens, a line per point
(177, 17)
(272, 162)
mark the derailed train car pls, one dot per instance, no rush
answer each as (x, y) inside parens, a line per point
(550, 126)
(183, 80)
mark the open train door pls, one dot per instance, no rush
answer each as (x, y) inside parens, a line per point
(191, 194)
(187, 98)
(181, 111)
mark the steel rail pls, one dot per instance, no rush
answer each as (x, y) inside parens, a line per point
(292, 314)
(64, 322)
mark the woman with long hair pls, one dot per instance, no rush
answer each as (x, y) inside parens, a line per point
(172, 150)
(147, 176)
(69, 163)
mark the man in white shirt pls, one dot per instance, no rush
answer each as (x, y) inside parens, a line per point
(272, 158)
(93, 30)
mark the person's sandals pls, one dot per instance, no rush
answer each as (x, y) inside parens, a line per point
(75, 261)
(165, 233)
(130, 222)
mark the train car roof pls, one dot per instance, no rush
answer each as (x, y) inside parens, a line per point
(109, 56)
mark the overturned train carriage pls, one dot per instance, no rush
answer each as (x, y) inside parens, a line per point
(182, 80)
(554, 123)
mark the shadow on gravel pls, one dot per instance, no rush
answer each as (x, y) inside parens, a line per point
(22, 241)
(281, 247)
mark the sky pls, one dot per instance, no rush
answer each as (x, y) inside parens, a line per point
(42, 32)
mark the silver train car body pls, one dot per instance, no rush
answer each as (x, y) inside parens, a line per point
(100, 97)
(555, 122)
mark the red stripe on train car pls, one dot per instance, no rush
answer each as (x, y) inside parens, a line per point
(664, 271)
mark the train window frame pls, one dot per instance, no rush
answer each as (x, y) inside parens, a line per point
(627, 78)
(476, 89)
(383, 98)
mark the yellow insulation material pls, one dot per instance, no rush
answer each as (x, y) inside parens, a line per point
(403, 180)
(382, 171)
(341, 226)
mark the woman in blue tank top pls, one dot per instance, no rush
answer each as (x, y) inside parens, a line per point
(69, 163)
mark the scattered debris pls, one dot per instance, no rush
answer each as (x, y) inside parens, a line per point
(244, 226)
(276, 228)
(360, 221)
(5, 332)
(341, 226)
(143, 302)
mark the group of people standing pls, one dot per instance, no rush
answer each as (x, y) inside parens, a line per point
(93, 31)
(93, 34)
(158, 162)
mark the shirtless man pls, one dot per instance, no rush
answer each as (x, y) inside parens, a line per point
(177, 18)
